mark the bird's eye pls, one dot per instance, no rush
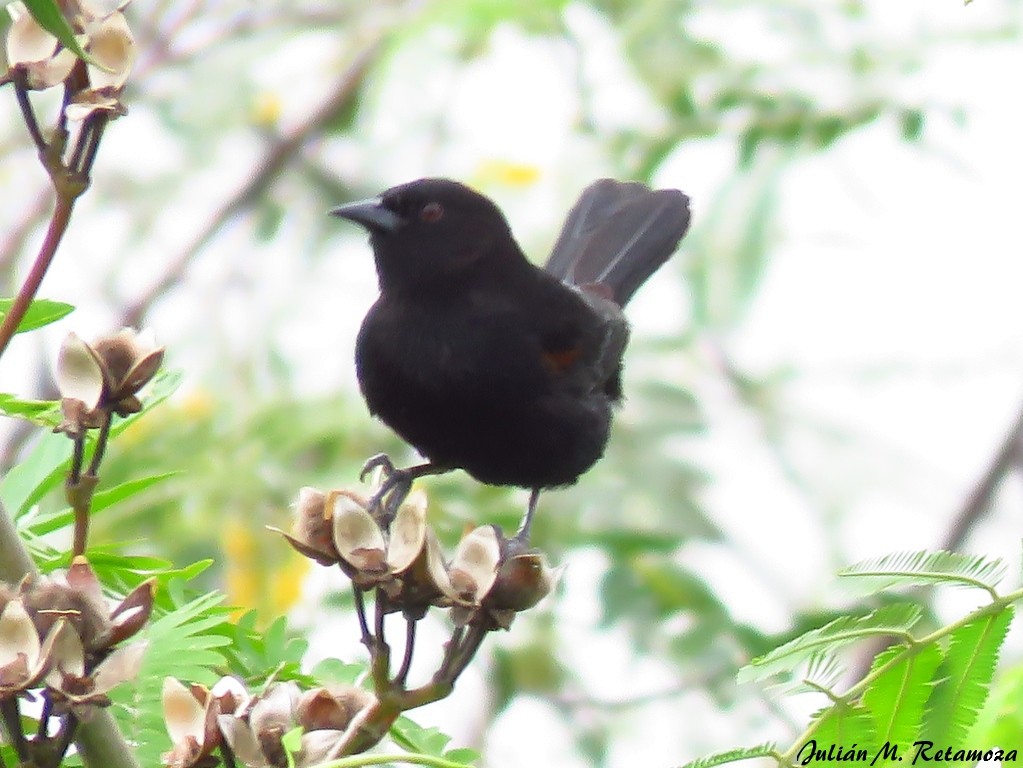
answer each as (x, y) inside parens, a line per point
(431, 212)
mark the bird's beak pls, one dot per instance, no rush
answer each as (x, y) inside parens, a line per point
(369, 213)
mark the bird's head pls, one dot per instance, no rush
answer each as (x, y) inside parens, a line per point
(431, 232)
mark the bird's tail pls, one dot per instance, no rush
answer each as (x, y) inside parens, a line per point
(617, 235)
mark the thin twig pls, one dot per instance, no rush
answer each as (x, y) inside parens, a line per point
(979, 500)
(450, 652)
(406, 660)
(360, 612)
(44, 716)
(77, 458)
(265, 173)
(64, 737)
(380, 651)
(101, 443)
(99, 124)
(20, 78)
(469, 647)
(54, 234)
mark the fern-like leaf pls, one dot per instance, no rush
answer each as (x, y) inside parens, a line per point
(896, 699)
(922, 568)
(896, 619)
(766, 749)
(967, 672)
(184, 644)
(823, 672)
(843, 730)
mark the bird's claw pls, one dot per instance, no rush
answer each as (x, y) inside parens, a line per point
(380, 460)
(393, 490)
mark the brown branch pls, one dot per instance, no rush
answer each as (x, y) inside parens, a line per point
(265, 173)
(54, 234)
(979, 500)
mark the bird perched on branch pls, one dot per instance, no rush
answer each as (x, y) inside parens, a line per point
(485, 362)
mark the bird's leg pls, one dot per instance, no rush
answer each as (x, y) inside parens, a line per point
(395, 484)
(522, 536)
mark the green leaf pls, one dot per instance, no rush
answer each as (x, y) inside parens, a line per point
(924, 568)
(767, 749)
(48, 14)
(897, 619)
(999, 721)
(728, 254)
(410, 736)
(967, 672)
(40, 526)
(337, 671)
(40, 472)
(45, 466)
(463, 755)
(41, 311)
(823, 672)
(292, 743)
(846, 732)
(897, 698)
(45, 413)
(181, 645)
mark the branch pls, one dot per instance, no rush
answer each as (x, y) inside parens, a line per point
(54, 234)
(979, 501)
(265, 173)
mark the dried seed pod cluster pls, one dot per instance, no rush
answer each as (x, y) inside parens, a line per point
(486, 581)
(63, 642)
(201, 720)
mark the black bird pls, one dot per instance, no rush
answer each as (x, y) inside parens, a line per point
(483, 361)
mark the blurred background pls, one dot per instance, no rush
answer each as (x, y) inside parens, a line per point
(831, 369)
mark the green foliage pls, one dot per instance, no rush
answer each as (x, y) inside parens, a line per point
(728, 255)
(897, 619)
(478, 18)
(50, 18)
(1000, 721)
(36, 525)
(186, 642)
(429, 741)
(258, 654)
(926, 568)
(967, 671)
(766, 749)
(845, 724)
(41, 312)
(930, 687)
(900, 691)
(44, 413)
(167, 493)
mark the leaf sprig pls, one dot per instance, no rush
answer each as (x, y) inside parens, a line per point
(920, 687)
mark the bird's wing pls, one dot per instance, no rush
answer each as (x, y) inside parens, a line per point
(582, 345)
(617, 235)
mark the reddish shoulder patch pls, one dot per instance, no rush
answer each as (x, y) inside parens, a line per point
(560, 360)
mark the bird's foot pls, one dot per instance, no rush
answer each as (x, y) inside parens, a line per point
(395, 485)
(521, 538)
(379, 461)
